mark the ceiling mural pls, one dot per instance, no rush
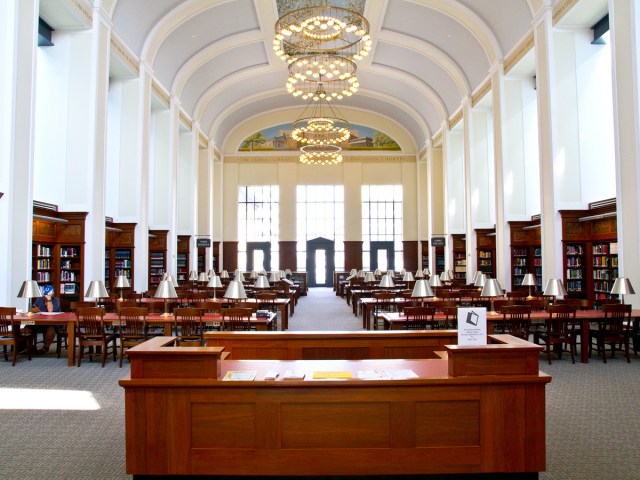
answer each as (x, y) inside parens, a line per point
(279, 138)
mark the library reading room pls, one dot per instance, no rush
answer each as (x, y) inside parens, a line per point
(320, 239)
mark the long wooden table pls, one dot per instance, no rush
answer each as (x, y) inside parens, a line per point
(69, 319)
(478, 410)
(395, 321)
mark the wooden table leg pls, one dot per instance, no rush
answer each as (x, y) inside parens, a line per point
(71, 343)
(584, 341)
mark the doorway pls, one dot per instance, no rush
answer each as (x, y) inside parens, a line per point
(320, 262)
(381, 256)
(259, 256)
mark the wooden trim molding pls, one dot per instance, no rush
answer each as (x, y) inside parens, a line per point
(561, 8)
(481, 92)
(517, 53)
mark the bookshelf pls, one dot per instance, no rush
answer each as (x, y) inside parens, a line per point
(459, 257)
(182, 272)
(424, 246)
(119, 252)
(486, 250)
(526, 252)
(58, 250)
(590, 250)
(157, 256)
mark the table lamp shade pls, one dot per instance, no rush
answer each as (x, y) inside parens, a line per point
(287, 271)
(214, 282)
(235, 290)
(529, 280)
(122, 282)
(224, 274)
(554, 287)
(491, 288)
(402, 272)
(408, 277)
(274, 277)
(288, 282)
(427, 272)
(253, 275)
(29, 289)
(377, 273)
(480, 280)
(362, 274)
(369, 277)
(203, 277)
(210, 273)
(386, 282)
(353, 272)
(422, 289)
(239, 276)
(193, 276)
(166, 290)
(261, 282)
(435, 281)
(419, 274)
(622, 286)
(96, 290)
(391, 273)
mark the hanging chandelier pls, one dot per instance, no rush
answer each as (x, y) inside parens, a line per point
(337, 74)
(321, 155)
(322, 29)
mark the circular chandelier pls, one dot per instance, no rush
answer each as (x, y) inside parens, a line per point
(321, 155)
(337, 74)
(320, 124)
(322, 29)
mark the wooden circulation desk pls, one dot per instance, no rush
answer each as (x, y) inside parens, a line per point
(479, 409)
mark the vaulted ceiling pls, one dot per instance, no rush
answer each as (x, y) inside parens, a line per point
(216, 57)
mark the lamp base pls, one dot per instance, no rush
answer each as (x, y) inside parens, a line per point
(167, 314)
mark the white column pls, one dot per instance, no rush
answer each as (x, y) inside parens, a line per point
(174, 179)
(19, 26)
(624, 17)
(551, 234)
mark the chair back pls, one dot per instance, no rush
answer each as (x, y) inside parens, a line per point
(208, 307)
(451, 318)
(617, 319)
(517, 320)
(499, 305)
(90, 321)
(419, 318)
(561, 319)
(7, 322)
(253, 306)
(237, 319)
(537, 304)
(188, 321)
(133, 321)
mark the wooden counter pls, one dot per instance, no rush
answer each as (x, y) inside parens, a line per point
(463, 414)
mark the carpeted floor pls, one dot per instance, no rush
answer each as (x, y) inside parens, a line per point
(68, 423)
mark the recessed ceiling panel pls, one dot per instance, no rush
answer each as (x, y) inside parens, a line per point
(441, 31)
(208, 27)
(220, 67)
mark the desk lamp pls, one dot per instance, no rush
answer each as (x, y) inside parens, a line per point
(386, 282)
(261, 282)
(235, 290)
(408, 277)
(391, 273)
(402, 272)
(353, 272)
(370, 277)
(193, 276)
(435, 282)
(214, 282)
(203, 278)
(362, 274)
(287, 272)
(122, 282)
(622, 286)
(480, 281)
(29, 290)
(274, 277)
(166, 290)
(224, 274)
(422, 289)
(96, 290)
(253, 275)
(239, 276)
(427, 272)
(554, 287)
(529, 280)
(491, 289)
(210, 273)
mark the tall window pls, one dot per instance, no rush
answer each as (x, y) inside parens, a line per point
(382, 222)
(320, 214)
(258, 227)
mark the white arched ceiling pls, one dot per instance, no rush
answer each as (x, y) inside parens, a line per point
(216, 57)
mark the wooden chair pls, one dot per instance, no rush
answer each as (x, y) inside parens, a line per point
(267, 301)
(210, 307)
(450, 318)
(189, 327)
(599, 303)
(560, 329)
(92, 332)
(384, 303)
(614, 329)
(62, 334)
(237, 319)
(133, 327)
(419, 318)
(252, 305)
(517, 320)
(440, 305)
(10, 335)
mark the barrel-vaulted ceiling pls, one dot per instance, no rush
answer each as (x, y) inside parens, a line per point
(216, 57)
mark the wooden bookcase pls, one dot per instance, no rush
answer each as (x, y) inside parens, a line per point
(486, 250)
(157, 256)
(424, 247)
(119, 252)
(590, 250)
(182, 272)
(459, 258)
(526, 252)
(58, 251)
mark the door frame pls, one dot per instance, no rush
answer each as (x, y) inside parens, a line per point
(373, 254)
(329, 246)
(265, 247)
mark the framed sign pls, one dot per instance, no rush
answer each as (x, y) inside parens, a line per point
(203, 242)
(438, 242)
(472, 326)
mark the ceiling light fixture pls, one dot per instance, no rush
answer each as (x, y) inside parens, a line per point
(337, 74)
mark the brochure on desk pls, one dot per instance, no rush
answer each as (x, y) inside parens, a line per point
(472, 326)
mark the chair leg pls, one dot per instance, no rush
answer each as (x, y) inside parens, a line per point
(548, 342)
(121, 352)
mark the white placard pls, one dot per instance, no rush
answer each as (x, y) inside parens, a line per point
(472, 326)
